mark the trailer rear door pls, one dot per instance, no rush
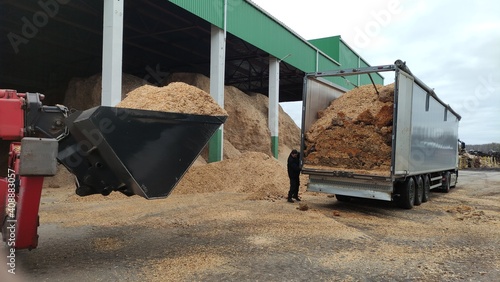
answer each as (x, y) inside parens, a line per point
(403, 98)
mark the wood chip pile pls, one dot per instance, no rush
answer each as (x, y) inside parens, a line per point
(248, 166)
(254, 173)
(246, 127)
(176, 97)
(354, 133)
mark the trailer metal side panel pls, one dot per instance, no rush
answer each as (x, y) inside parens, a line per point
(434, 134)
(401, 143)
(426, 132)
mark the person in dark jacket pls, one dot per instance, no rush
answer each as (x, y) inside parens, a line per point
(293, 167)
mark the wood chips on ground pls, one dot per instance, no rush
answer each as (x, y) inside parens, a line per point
(354, 132)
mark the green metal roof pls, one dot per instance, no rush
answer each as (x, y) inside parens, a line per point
(160, 38)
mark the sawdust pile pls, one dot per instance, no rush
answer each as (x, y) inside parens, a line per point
(177, 97)
(245, 130)
(246, 127)
(62, 178)
(85, 93)
(248, 166)
(354, 132)
(255, 173)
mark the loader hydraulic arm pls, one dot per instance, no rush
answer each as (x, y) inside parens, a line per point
(22, 116)
(44, 121)
(135, 152)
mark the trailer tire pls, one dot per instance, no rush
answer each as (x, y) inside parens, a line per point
(419, 190)
(427, 189)
(446, 183)
(342, 198)
(407, 193)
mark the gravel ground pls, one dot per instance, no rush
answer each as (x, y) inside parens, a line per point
(225, 236)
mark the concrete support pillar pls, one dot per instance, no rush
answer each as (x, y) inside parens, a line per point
(217, 66)
(273, 115)
(112, 44)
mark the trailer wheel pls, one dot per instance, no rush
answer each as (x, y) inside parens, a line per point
(419, 190)
(407, 193)
(342, 198)
(427, 189)
(446, 182)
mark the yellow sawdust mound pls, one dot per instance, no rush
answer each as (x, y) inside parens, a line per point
(176, 97)
(258, 174)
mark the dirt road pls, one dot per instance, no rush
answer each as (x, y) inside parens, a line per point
(227, 237)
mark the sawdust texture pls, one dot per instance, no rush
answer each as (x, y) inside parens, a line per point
(354, 133)
(62, 178)
(176, 97)
(246, 127)
(177, 268)
(224, 236)
(245, 130)
(107, 244)
(255, 173)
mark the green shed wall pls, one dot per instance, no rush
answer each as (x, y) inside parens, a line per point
(336, 48)
(329, 45)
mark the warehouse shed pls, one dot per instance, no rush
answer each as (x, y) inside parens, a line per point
(46, 43)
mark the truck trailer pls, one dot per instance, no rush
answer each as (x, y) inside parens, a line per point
(422, 141)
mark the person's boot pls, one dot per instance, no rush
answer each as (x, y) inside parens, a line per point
(297, 198)
(290, 200)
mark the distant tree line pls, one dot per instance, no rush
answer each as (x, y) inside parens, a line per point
(485, 148)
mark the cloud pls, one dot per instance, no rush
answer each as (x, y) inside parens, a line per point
(452, 46)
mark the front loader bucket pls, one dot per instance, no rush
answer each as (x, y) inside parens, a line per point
(137, 152)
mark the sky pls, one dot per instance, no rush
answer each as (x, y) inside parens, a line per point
(452, 46)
